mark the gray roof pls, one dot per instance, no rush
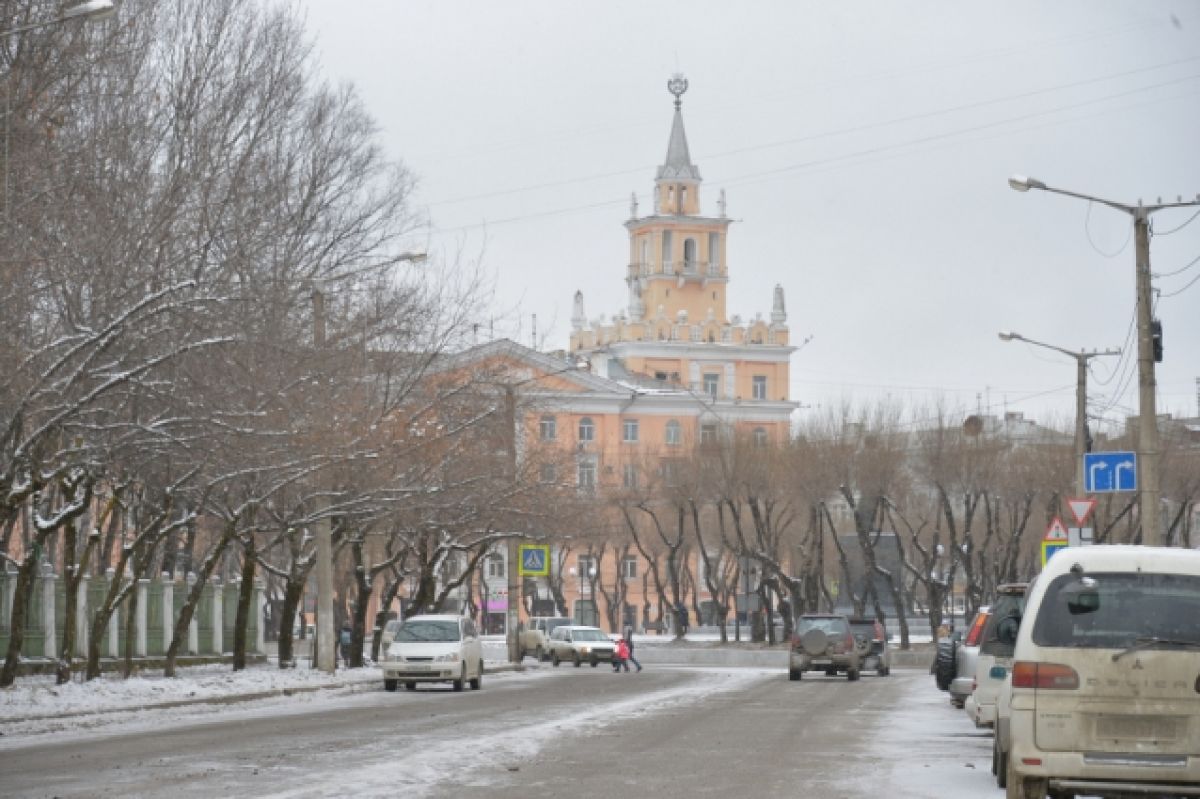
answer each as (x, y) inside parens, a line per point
(679, 161)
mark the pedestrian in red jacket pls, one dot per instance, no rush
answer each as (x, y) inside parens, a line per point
(621, 656)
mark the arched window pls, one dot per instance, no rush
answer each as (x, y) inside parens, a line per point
(674, 433)
(666, 252)
(714, 252)
(587, 429)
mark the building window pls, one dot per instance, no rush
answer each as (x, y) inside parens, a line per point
(587, 474)
(587, 571)
(549, 428)
(495, 566)
(760, 387)
(689, 255)
(708, 434)
(630, 431)
(548, 473)
(629, 567)
(674, 433)
(666, 251)
(760, 437)
(711, 384)
(713, 252)
(670, 473)
(587, 429)
(630, 475)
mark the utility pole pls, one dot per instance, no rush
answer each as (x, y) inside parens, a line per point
(326, 661)
(1149, 514)
(514, 552)
(1081, 367)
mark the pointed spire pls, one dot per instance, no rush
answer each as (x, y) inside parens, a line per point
(578, 319)
(679, 161)
(778, 312)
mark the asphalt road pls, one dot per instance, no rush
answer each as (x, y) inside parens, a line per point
(663, 733)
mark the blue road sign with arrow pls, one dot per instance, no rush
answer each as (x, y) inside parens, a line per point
(1109, 471)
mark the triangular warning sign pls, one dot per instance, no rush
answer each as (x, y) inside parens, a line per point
(1056, 531)
(1081, 509)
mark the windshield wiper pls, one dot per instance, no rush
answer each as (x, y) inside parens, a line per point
(1145, 642)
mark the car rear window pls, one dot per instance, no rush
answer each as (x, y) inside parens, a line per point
(830, 624)
(428, 631)
(1127, 607)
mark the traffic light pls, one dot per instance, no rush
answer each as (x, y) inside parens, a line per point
(1156, 339)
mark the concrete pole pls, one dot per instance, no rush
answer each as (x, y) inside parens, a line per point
(1080, 421)
(1147, 448)
(143, 593)
(326, 654)
(514, 579)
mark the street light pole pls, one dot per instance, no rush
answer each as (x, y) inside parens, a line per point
(1081, 366)
(1147, 446)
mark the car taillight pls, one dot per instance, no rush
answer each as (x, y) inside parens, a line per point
(1046, 676)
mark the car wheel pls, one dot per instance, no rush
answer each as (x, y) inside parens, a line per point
(852, 674)
(554, 659)
(389, 685)
(477, 683)
(594, 663)
(830, 672)
(794, 674)
(999, 764)
(410, 686)
(458, 684)
(578, 661)
(540, 654)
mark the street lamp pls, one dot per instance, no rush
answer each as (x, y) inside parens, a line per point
(1081, 366)
(1147, 445)
(91, 10)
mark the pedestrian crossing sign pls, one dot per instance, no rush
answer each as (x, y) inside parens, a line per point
(534, 560)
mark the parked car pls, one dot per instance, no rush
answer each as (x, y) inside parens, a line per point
(1106, 676)
(535, 637)
(964, 660)
(577, 644)
(434, 648)
(874, 650)
(995, 655)
(823, 642)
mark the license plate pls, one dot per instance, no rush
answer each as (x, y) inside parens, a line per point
(1142, 728)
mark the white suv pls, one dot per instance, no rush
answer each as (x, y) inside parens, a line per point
(434, 649)
(1106, 676)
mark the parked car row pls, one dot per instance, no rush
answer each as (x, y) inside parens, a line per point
(1090, 676)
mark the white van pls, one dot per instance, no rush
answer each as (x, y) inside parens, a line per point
(1106, 676)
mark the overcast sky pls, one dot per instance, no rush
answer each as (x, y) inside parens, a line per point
(864, 149)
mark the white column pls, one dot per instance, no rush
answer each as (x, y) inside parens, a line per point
(168, 610)
(260, 602)
(143, 593)
(218, 620)
(49, 581)
(194, 626)
(82, 632)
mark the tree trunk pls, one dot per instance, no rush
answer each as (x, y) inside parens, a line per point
(245, 600)
(17, 619)
(293, 592)
(179, 633)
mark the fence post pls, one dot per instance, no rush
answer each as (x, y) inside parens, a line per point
(259, 604)
(218, 618)
(194, 626)
(49, 596)
(143, 592)
(114, 621)
(82, 628)
(168, 611)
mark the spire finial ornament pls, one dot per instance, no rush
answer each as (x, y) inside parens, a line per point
(677, 85)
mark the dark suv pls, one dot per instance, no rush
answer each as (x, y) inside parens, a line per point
(823, 642)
